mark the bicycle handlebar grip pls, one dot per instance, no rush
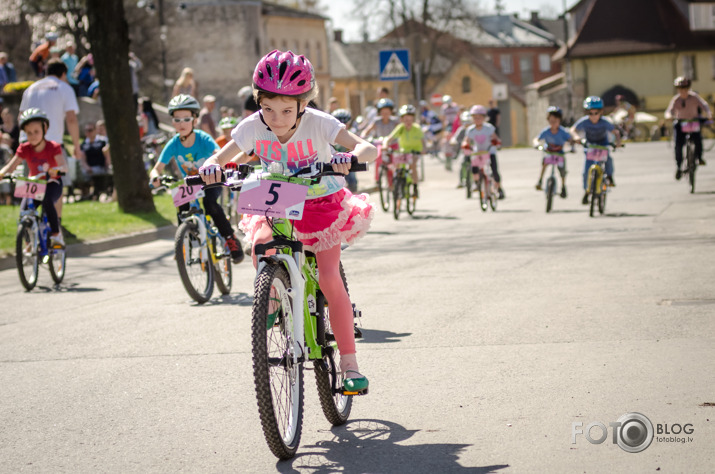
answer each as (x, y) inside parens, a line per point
(194, 180)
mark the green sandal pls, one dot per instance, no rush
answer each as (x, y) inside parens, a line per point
(356, 385)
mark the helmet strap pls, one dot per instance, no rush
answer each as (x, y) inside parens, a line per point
(260, 114)
(183, 139)
(299, 114)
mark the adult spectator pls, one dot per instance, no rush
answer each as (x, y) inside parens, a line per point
(71, 60)
(149, 120)
(493, 115)
(206, 121)
(9, 126)
(93, 90)
(95, 158)
(186, 84)
(6, 155)
(84, 72)
(135, 65)
(55, 96)
(8, 69)
(333, 104)
(41, 54)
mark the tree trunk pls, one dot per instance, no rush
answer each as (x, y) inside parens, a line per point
(109, 37)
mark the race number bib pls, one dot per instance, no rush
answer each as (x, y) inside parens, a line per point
(183, 194)
(554, 160)
(272, 198)
(30, 189)
(597, 154)
(690, 127)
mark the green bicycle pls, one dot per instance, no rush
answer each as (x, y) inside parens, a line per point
(404, 186)
(290, 325)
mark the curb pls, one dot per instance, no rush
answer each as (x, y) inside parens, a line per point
(87, 248)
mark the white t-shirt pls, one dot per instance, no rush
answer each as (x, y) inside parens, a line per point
(309, 144)
(55, 97)
(480, 137)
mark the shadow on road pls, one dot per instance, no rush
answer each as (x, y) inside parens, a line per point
(240, 299)
(69, 288)
(626, 214)
(372, 446)
(374, 336)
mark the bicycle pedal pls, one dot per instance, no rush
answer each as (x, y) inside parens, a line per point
(361, 392)
(358, 333)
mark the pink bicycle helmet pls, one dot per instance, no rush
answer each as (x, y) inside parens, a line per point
(478, 110)
(284, 73)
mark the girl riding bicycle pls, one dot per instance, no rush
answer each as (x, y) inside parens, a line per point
(189, 148)
(479, 138)
(284, 131)
(555, 137)
(42, 157)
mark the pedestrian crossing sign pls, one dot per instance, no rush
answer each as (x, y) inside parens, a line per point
(395, 65)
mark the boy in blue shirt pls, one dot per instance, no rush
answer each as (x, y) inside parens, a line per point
(595, 129)
(190, 147)
(553, 138)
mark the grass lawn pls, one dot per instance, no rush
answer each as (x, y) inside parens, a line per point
(91, 220)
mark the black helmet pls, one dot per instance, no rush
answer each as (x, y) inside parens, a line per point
(184, 102)
(32, 114)
(555, 111)
(343, 115)
(681, 81)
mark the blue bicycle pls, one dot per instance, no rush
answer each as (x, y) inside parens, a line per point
(32, 243)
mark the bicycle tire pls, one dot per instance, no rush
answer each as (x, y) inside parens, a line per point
(602, 201)
(383, 187)
(223, 272)
(692, 165)
(57, 264)
(336, 406)
(278, 381)
(196, 274)
(27, 256)
(482, 187)
(550, 185)
(592, 190)
(411, 197)
(466, 179)
(397, 190)
(493, 194)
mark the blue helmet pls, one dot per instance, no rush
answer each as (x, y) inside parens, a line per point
(555, 111)
(382, 103)
(593, 102)
(343, 115)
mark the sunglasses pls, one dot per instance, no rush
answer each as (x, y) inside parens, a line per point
(185, 119)
(594, 112)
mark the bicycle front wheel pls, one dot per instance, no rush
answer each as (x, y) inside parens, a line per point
(194, 263)
(27, 255)
(277, 377)
(594, 191)
(691, 166)
(550, 186)
(58, 258)
(602, 201)
(483, 190)
(383, 187)
(223, 273)
(411, 197)
(398, 185)
(493, 194)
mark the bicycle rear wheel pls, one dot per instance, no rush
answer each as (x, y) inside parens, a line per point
(550, 185)
(223, 273)
(193, 262)
(277, 378)
(383, 187)
(58, 258)
(27, 255)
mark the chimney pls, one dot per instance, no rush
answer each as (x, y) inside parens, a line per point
(534, 17)
(338, 36)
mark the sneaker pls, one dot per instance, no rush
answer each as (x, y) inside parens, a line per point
(678, 174)
(356, 385)
(585, 199)
(235, 248)
(501, 193)
(702, 162)
(57, 242)
(610, 181)
(539, 187)
(563, 192)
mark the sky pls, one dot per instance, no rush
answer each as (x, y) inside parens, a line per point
(340, 12)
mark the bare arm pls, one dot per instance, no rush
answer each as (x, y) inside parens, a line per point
(363, 150)
(10, 166)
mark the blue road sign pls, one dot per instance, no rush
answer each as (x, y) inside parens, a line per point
(395, 65)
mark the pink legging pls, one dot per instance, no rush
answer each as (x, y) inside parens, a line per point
(339, 305)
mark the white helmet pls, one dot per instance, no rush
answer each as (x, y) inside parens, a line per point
(447, 99)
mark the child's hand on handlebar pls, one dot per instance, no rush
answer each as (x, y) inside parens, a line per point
(210, 173)
(341, 162)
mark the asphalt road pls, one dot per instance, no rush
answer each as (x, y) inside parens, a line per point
(487, 336)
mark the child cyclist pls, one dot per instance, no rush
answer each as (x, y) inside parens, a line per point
(409, 137)
(42, 157)
(189, 148)
(479, 139)
(554, 137)
(226, 125)
(595, 129)
(285, 131)
(687, 106)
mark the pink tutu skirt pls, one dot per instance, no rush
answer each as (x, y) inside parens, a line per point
(339, 218)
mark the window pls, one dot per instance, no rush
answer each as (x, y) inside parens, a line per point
(544, 62)
(307, 50)
(319, 57)
(506, 64)
(689, 67)
(702, 16)
(466, 84)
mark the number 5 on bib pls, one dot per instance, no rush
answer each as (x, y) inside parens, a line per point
(272, 199)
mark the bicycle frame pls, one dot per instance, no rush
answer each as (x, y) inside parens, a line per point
(599, 168)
